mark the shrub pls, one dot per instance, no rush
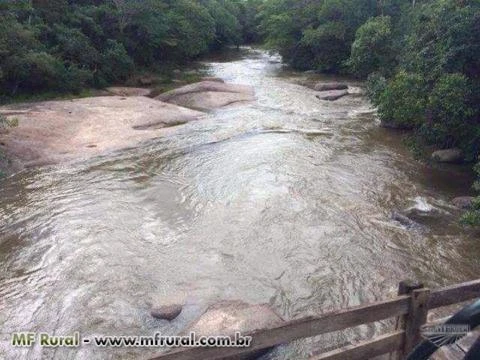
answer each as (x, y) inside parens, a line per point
(403, 101)
(372, 48)
(448, 121)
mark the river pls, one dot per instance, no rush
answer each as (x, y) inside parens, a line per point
(249, 203)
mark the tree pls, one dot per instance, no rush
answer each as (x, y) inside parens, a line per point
(372, 50)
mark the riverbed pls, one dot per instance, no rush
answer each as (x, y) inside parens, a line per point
(286, 201)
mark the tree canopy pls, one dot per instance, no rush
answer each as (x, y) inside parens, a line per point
(66, 45)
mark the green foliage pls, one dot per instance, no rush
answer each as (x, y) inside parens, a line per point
(472, 217)
(372, 50)
(64, 46)
(376, 85)
(447, 124)
(403, 101)
(315, 34)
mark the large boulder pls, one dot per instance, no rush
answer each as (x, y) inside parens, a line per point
(332, 95)
(463, 202)
(208, 95)
(330, 86)
(55, 131)
(229, 317)
(453, 155)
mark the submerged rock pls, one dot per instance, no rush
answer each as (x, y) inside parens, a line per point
(166, 312)
(208, 95)
(463, 202)
(402, 219)
(330, 86)
(453, 155)
(332, 95)
(229, 317)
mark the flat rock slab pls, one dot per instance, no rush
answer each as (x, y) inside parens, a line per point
(55, 131)
(128, 91)
(330, 86)
(332, 95)
(208, 95)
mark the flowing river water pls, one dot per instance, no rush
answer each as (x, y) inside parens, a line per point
(250, 203)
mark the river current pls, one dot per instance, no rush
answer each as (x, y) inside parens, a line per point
(286, 201)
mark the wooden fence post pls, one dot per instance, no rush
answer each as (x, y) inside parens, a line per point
(416, 317)
(405, 287)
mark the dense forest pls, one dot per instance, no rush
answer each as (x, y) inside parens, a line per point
(421, 59)
(67, 45)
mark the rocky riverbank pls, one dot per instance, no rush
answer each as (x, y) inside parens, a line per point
(56, 131)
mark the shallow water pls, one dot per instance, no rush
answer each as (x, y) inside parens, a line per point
(286, 201)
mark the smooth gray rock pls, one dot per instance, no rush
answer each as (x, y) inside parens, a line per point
(453, 155)
(330, 86)
(208, 95)
(402, 219)
(166, 312)
(229, 317)
(463, 202)
(332, 95)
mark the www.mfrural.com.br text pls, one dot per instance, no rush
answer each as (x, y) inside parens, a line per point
(28, 339)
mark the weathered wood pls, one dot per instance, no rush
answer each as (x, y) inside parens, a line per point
(301, 328)
(414, 306)
(405, 287)
(454, 294)
(466, 343)
(452, 352)
(416, 317)
(366, 349)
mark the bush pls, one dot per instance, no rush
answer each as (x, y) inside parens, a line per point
(403, 101)
(448, 121)
(372, 49)
(116, 64)
(376, 85)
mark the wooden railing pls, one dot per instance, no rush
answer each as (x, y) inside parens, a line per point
(410, 307)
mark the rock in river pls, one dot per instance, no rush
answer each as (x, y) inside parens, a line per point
(332, 95)
(453, 155)
(463, 202)
(55, 131)
(330, 86)
(208, 95)
(229, 317)
(166, 312)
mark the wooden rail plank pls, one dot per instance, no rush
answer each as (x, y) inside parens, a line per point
(301, 328)
(454, 294)
(366, 349)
